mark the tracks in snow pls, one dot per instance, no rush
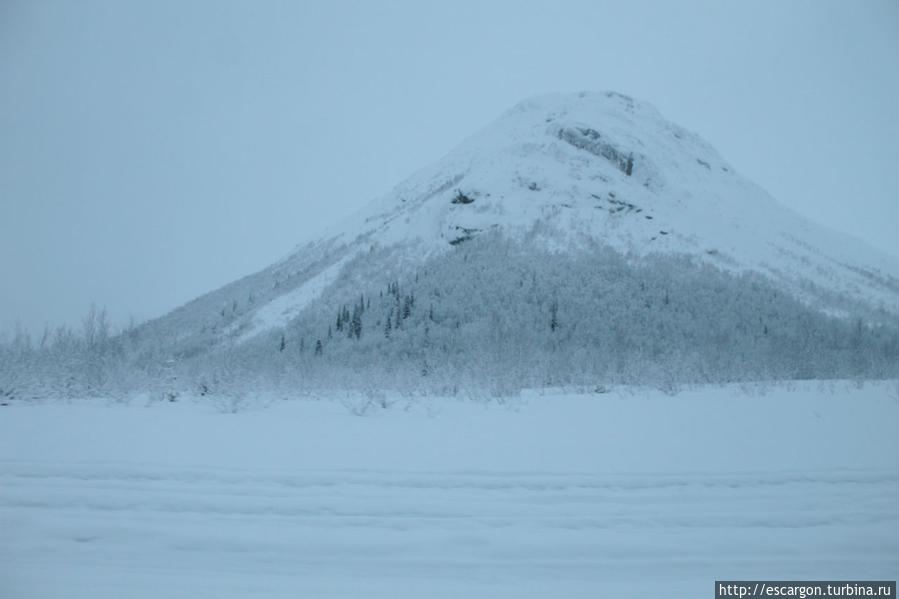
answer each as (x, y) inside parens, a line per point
(394, 523)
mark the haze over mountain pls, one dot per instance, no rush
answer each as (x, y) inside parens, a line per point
(580, 238)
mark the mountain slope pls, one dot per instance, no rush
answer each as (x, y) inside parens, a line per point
(561, 175)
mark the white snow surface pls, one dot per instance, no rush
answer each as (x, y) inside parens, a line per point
(287, 306)
(630, 493)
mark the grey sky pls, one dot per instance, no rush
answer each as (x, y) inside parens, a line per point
(152, 151)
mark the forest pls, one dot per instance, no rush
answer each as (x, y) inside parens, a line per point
(492, 316)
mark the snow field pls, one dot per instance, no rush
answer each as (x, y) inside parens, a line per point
(619, 494)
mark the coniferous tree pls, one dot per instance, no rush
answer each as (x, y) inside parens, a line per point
(357, 323)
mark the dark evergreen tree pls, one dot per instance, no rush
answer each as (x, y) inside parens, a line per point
(356, 323)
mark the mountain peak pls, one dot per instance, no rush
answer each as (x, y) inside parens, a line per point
(549, 152)
(564, 173)
(591, 104)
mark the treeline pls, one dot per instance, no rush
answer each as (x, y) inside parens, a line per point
(497, 315)
(63, 362)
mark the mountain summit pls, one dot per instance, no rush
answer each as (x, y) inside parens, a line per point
(579, 237)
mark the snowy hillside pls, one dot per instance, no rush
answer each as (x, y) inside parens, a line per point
(572, 170)
(606, 168)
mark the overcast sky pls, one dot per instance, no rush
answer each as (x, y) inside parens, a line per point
(153, 151)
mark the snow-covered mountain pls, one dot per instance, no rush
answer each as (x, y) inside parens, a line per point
(557, 175)
(594, 167)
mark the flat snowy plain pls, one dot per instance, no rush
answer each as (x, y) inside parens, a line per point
(630, 493)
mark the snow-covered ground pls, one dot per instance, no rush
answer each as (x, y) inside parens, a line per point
(622, 494)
